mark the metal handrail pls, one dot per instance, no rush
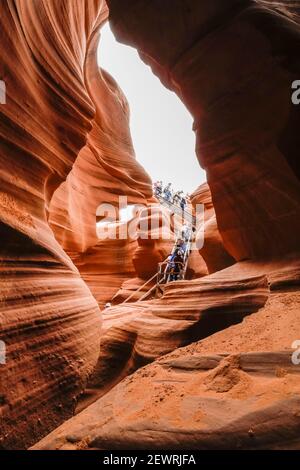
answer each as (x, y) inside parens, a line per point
(175, 206)
(141, 287)
(187, 254)
(159, 272)
(149, 291)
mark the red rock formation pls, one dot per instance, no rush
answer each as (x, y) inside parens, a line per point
(155, 240)
(56, 96)
(237, 389)
(59, 105)
(213, 252)
(135, 334)
(250, 417)
(232, 63)
(182, 408)
(247, 180)
(105, 266)
(105, 169)
(226, 62)
(49, 321)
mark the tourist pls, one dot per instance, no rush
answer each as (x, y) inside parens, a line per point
(182, 203)
(168, 192)
(181, 245)
(185, 232)
(158, 186)
(170, 267)
(178, 265)
(177, 197)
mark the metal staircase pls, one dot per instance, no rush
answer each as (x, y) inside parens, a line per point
(173, 207)
(163, 275)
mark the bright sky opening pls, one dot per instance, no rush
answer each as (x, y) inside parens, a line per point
(161, 126)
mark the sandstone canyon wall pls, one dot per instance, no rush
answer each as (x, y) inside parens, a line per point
(66, 148)
(233, 64)
(213, 252)
(260, 170)
(49, 320)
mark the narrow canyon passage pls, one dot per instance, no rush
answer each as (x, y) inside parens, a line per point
(221, 339)
(160, 124)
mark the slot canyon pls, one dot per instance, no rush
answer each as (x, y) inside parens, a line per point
(207, 364)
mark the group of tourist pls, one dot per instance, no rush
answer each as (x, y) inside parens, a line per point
(175, 261)
(170, 195)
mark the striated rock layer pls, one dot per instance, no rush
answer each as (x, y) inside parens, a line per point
(154, 233)
(136, 334)
(66, 148)
(252, 172)
(49, 321)
(106, 168)
(226, 63)
(213, 252)
(60, 109)
(232, 63)
(237, 389)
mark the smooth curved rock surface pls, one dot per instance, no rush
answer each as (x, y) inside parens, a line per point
(155, 238)
(105, 169)
(50, 322)
(232, 63)
(135, 334)
(213, 251)
(214, 394)
(105, 267)
(66, 148)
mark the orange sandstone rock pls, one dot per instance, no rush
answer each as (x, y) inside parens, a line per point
(66, 148)
(213, 252)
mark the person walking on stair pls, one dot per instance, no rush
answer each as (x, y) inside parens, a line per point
(158, 186)
(177, 197)
(168, 192)
(182, 203)
(178, 265)
(181, 246)
(185, 232)
(170, 267)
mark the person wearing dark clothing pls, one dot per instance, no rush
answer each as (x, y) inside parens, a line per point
(178, 265)
(158, 188)
(177, 197)
(181, 245)
(183, 203)
(170, 266)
